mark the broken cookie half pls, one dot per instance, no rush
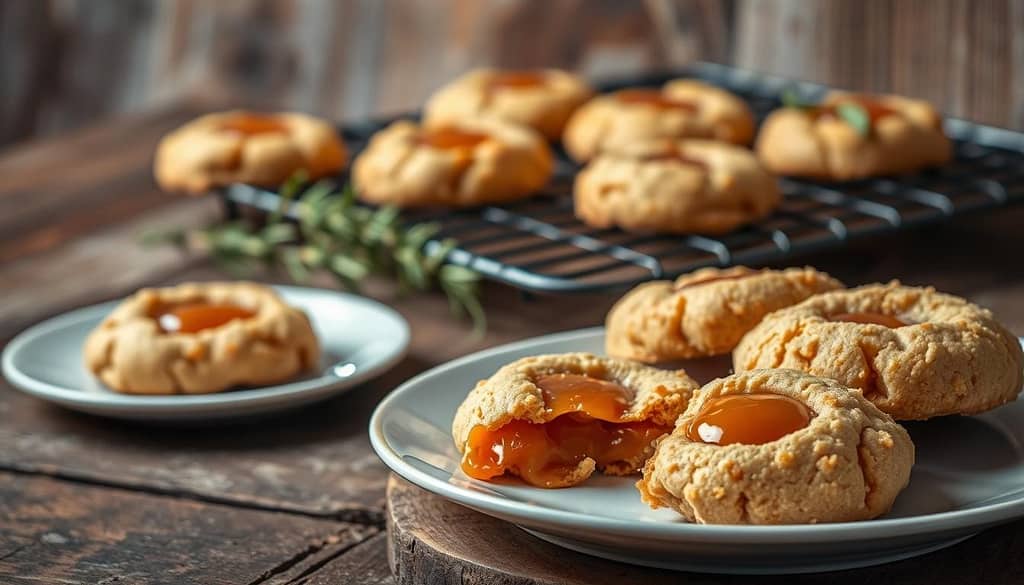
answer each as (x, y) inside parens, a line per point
(553, 420)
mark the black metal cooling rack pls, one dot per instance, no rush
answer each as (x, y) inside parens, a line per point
(538, 245)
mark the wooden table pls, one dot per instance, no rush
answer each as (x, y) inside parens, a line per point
(299, 498)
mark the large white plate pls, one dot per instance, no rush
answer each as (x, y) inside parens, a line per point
(363, 336)
(969, 475)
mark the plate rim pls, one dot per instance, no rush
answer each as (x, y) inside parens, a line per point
(539, 516)
(175, 404)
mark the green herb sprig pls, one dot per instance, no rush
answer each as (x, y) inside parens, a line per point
(852, 113)
(334, 234)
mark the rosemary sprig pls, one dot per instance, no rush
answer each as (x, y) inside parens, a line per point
(334, 234)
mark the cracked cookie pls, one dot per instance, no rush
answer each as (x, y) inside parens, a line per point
(472, 162)
(688, 186)
(705, 312)
(201, 338)
(912, 351)
(542, 99)
(553, 419)
(683, 108)
(246, 147)
(778, 447)
(892, 135)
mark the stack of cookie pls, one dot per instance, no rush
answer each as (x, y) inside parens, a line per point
(672, 159)
(806, 429)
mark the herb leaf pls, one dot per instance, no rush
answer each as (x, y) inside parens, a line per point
(329, 232)
(856, 116)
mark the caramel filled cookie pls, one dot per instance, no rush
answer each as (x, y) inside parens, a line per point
(705, 312)
(689, 186)
(542, 99)
(246, 147)
(895, 135)
(778, 447)
(914, 352)
(683, 108)
(553, 419)
(473, 162)
(200, 338)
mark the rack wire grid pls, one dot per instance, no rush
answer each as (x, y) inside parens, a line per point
(538, 245)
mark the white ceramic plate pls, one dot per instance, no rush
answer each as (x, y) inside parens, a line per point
(969, 475)
(363, 337)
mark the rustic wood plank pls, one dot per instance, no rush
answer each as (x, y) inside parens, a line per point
(67, 62)
(56, 532)
(364, 564)
(432, 540)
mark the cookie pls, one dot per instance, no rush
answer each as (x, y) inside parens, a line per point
(553, 419)
(683, 108)
(690, 186)
(903, 135)
(542, 99)
(705, 312)
(778, 447)
(469, 163)
(914, 352)
(246, 147)
(200, 338)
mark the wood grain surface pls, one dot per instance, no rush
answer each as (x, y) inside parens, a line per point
(131, 493)
(58, 532)
(64, 63)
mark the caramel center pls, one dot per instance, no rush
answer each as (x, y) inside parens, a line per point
(449, 138)
(748, 419)
(195, 317)
(252, 124)
(870, 319)
(585, 421)
(654, 98)
(517, 80)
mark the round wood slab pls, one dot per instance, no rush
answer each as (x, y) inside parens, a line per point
(433, 541)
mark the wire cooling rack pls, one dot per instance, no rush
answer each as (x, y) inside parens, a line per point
(538, 245)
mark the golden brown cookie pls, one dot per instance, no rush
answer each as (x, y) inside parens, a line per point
(903, 135)
(705, 312)
(914, 352)
(246, 147)
(553, 419)
(689, 186)
(779, 447)
(542, 99)
(473, 162)
(200, 338)
(683, 108)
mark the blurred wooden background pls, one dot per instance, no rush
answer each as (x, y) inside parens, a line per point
(64, 63)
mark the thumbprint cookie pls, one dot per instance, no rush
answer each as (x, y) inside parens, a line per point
(463, 164)
(705, 312)
(914, 352)
(247, 147)
(853, 136)
(542, 99)
(779, 447)
(683, 108)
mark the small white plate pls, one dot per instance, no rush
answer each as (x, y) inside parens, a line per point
(364, 337)
(969, 475)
